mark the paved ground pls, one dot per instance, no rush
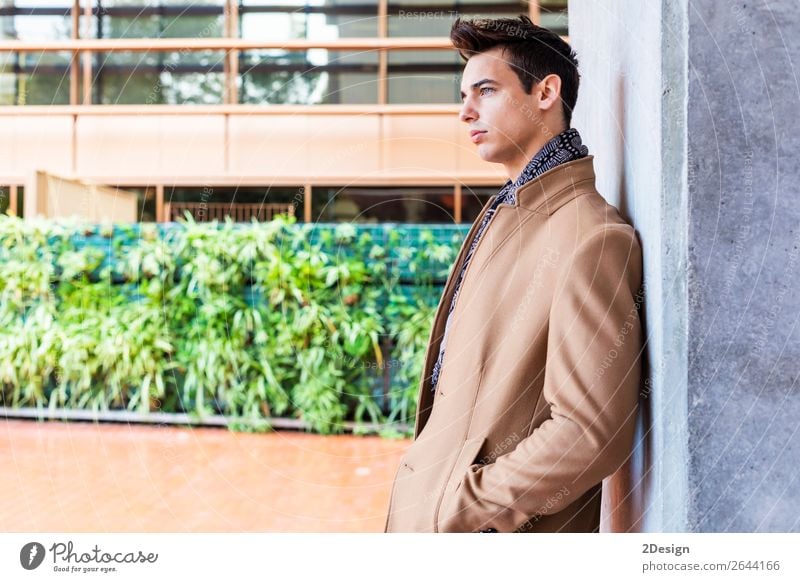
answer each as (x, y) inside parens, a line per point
(83, 477)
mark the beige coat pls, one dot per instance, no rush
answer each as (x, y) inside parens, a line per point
(538, 390)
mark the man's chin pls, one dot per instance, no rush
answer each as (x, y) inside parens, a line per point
(486, 153)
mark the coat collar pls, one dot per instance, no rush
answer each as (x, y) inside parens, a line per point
(548, 192)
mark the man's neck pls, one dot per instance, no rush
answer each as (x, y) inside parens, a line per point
(515, 167)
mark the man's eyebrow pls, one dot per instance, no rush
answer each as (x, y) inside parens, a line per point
(478, 84)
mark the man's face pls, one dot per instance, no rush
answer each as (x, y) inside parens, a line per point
(494, 102)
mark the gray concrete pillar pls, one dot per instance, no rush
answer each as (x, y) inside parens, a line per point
(691, 109)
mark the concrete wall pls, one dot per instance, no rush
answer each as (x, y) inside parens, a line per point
(51, 196)
(691, 109)
(630, 102)
(744, 227)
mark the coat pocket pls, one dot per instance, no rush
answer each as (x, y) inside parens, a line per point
(467, 456)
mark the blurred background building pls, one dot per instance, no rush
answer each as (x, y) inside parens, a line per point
(333, 110)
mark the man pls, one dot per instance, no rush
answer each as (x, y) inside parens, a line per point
(529, 390)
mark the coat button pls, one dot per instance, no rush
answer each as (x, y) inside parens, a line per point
(488, 530)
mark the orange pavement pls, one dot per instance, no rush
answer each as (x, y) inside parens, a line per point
(84, 477)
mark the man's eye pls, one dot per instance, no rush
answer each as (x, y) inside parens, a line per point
(486, 89)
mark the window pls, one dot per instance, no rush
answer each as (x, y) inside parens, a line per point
(473, 199)
(7, 204)
(241, 204)
(158, 77)
(35, 78)
(5, 200)
(383, 204)
(316, 76)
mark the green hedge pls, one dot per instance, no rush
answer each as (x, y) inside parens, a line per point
(322, 322)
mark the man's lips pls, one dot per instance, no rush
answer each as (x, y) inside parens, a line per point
(475, 135)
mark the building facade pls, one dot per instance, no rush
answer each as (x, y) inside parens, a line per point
(332, 110)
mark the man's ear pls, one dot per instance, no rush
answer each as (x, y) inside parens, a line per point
(549, 92)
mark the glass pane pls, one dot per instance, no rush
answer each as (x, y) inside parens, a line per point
(313, 76)
(505, 4)
(196, 20)
(377, 205)
(279, 76)
(140, 78)
(353, 18)
(36, 24)
(242, 203)
(126, 78)
(119, 26)
(159, 19)
(308, 77)
(34, 78)
(424, 77)
(473, 200)
(411, 21)
(4, 199)
(158, 77)
(8, 79)
(155, 19)
(248, 194)
(44, 84)
(39, 4)
(352, 77)
(426, 18)
(554, 16)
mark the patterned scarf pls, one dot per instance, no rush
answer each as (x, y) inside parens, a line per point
(564, 147)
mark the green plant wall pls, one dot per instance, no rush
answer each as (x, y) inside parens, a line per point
(322, 322)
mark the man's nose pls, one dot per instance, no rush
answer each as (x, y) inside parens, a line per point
(467, 112)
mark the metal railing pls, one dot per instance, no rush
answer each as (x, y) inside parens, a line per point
(237, 211)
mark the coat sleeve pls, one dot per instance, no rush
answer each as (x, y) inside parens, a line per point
(592, 377)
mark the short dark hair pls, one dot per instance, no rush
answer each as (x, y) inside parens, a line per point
(534, 52)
